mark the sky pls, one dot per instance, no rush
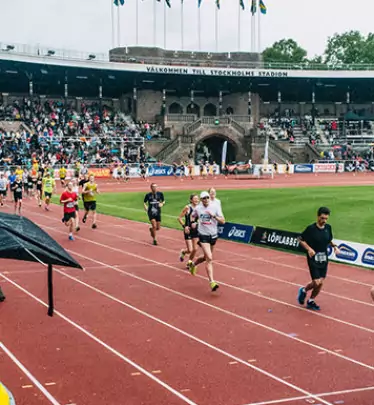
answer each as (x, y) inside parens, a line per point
(86, 25)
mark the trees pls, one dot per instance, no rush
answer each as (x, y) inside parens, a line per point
(285, 50)
(350, 47)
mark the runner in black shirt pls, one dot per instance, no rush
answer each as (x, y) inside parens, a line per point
(17, 188)
(153, 202)
(315, 240)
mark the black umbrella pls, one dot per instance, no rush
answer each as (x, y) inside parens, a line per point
(21, 239)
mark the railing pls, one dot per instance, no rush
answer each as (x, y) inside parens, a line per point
(312, 150)
(192, 127)
(237, 127)
(274, 147)
(168, 150)
(180, 117)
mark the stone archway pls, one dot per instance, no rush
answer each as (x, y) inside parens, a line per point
(210, 148)
(193, 108)
(175, 108)
(210, 110)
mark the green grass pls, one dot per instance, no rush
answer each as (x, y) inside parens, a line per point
(290, 209)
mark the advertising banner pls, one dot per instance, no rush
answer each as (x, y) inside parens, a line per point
(351, 166)
(100, 172)
(353, 253)
(276, 238)
(327, 167)
(235, 232)
(303, 168)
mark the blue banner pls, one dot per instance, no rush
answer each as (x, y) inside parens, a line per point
(235, 232)
(156, 170)
(303, 168)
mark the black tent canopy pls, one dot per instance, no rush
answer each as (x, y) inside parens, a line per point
(22, 239)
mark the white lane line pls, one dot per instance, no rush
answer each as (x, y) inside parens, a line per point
(325, 394)
(25, 371)
(242, 318)
(180, 331)
(106, 346)
(312, 313)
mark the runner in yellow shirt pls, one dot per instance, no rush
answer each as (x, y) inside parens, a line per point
(89, 200)
(62, 174)
(49, 186)
(19, 171)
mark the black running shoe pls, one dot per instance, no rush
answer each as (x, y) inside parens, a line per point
(94, 226)
(155, 242)
(313, 306)
(84, 219)
(2, 296)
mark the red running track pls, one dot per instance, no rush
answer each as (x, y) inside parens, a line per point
(136, 328)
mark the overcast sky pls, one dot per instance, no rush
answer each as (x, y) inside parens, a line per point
(85, 25)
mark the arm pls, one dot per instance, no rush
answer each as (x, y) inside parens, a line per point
(333, 245)
(146, 203)
(182, 214)
(162, 203)
(305, 245)
(220, 219)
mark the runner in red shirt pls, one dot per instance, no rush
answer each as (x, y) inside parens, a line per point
(69, 198)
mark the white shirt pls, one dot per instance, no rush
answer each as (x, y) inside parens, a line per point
(208, 226)
(217, 204)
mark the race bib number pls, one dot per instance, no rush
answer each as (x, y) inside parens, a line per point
(70, 205)
(154, 210)
(320, 257)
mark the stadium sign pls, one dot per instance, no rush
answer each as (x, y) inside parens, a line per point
(235, 232)
(276, 238)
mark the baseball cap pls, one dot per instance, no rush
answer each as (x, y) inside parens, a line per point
(204, 194)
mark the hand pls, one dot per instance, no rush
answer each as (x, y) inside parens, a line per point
(160, 204)
(336, 250)
(311, 252)
(194, 225)
(186, 230)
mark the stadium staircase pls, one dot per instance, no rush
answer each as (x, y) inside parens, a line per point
(14, 126)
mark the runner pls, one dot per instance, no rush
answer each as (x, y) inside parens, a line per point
(3, 187)
(39, 189)
(69, 199)
(213, 200)
(2, 296)
(76, 191)
(315, 240)
(190, 234)
(62, 173)
(89, 192)
(153, 202)
(209, 216)
(17, 195)
(49, 186)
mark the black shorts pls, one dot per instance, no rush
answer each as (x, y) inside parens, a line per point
(48, 195)
(208, 239)
(90, 205)
(156, 217)
(192, 235)
(17, 197)
(317, 270)
(2, 192)
(68, 216)
(76, 208)
(62, 178)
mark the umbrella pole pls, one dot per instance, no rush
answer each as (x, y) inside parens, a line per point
(50, 291)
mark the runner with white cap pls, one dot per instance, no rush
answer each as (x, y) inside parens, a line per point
(208, 216)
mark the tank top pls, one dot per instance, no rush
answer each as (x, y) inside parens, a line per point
(187, 217)
(90, 197)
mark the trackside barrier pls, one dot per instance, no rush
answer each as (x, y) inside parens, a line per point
(235, 232)
(353, 253)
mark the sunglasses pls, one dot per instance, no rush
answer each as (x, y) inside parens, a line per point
(205, 198)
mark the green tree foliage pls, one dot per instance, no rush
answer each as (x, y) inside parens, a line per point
(349, 47)
(285, 51)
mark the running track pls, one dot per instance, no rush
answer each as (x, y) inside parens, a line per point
(136, 328)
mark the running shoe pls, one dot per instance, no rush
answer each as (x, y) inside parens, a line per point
(94, 226)
(84, 219)
(182, 255)
(77, 228)
(301, 296)
(192, 268)
(155, 242)
(71, 237)
(312, 305)
(188, 264)
(214, 286)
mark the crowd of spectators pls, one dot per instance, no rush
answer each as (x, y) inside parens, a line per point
(58, 133)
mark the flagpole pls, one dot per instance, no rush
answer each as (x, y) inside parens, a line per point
(216, 26)
(154, 23)
(259, 32)
(118, 27)
(182, 25)
(164, 24)
(239, 30)
(112, 18)
(253, 33)
(199, 26)
(137, 22)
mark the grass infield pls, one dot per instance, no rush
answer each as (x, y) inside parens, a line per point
(292, 209)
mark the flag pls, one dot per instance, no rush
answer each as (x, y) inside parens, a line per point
(168, 3)
(254, 7)
(263, 8)
(119, 2)
(218, 4)
(241, 2)
(199, 3)
(224, 155)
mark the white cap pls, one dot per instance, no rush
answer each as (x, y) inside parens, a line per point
(204, 194)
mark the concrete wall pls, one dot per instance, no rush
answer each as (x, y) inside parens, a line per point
(155, 147)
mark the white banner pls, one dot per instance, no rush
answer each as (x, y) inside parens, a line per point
(224, 154)
(353, 253)
(328, 168)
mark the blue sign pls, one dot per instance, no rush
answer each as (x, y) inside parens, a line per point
(304, 168)
(156, 170)
(235, 232)
(368, 257)
(347, 253)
